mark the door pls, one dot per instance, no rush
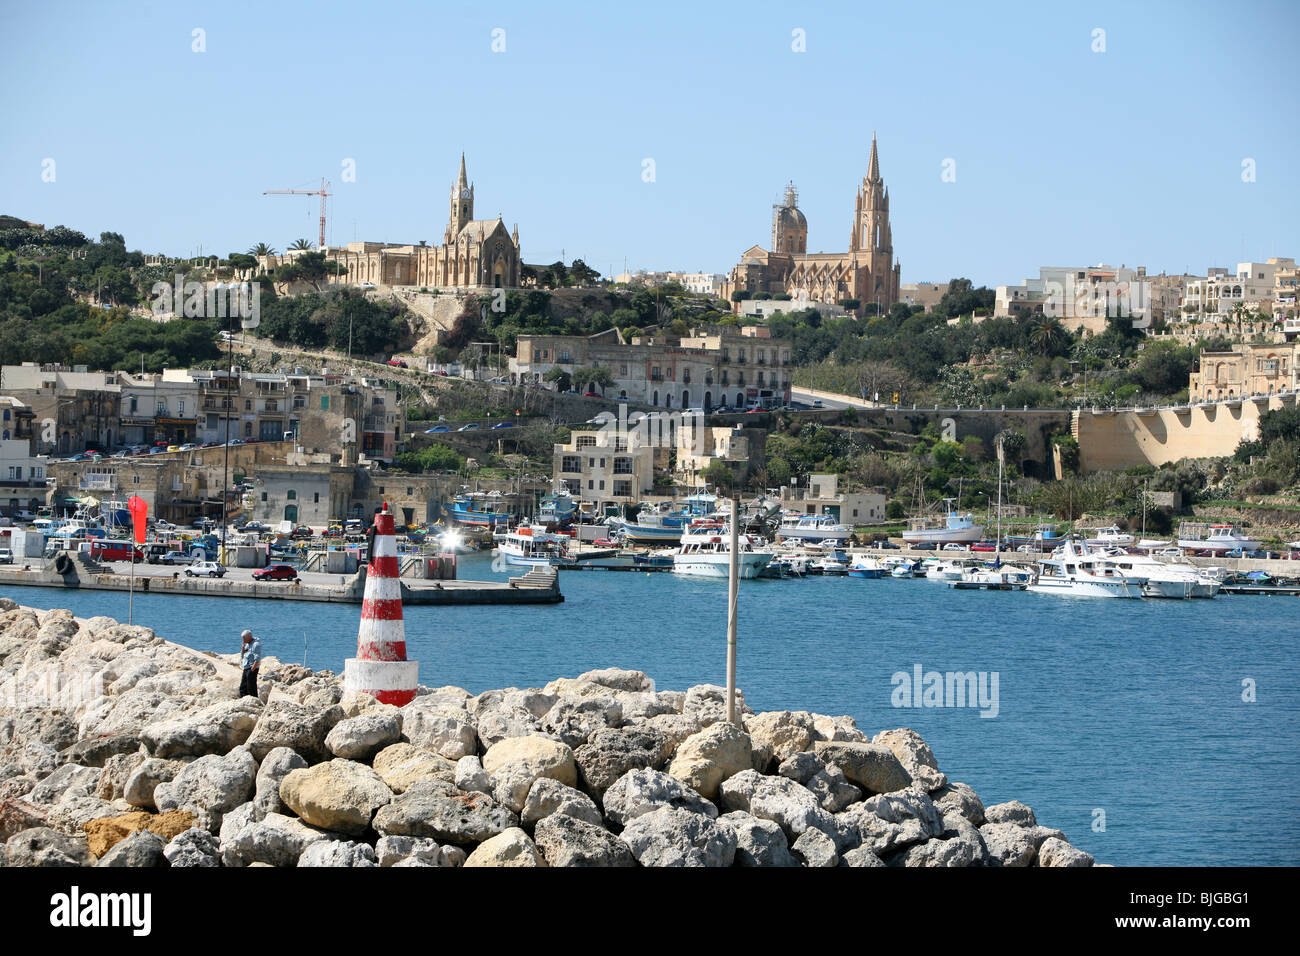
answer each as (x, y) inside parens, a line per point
(291, 513)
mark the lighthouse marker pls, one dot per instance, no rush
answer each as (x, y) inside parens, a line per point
(380, 667)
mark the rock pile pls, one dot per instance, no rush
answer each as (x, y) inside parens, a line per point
(120, 749)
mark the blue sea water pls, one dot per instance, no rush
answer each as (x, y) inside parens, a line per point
(1133, 710)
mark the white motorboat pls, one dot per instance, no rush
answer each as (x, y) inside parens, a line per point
(829, 565)
(1072, 571)
(1164, 580)
(1111, 537)
(712, 558)
(867, 567)
(1003, 577)
(1221, 538)
(813, 529)
(943, 570)
(956, 528)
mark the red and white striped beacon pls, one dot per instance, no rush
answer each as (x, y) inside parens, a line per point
(380, 667)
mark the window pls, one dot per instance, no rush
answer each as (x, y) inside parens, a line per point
(135, 479)
(248, 429)
(315, 498)
(602, 463)
(623, 489)
(622, 466)
(586, 441)
(264, 496)
(272, 405)
(564, 358)
(410, 491)
(571, 464)
(324, 403)
(180, 408)
(248, 404)
(293, 495)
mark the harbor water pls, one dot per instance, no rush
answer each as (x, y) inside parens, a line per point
(1151, 732)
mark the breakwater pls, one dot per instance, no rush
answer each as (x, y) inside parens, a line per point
(118, 748)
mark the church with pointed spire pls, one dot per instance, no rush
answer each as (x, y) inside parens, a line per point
(867, 272)
(475, 253)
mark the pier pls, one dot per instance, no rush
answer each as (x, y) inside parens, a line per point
(538, 586)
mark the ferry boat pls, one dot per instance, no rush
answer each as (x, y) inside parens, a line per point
(1072, 571)
(712, 558)
(474, 510)
(1221, 538)
(530, 548)
(813, 529)
(961, 529)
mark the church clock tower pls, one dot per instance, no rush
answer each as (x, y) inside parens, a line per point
(462, 204)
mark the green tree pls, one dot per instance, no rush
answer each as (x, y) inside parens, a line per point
(561, 378)
(301, 244)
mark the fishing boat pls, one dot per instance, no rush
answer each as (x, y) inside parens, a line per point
(1044, 538)
(958, 528)
(557, 509)
(1071, 571)
(475, 510)
(712, 558)
(813, 529)
(529, 547)
(943, 570)
(867, 567)
(653, 526)
(1220, 538)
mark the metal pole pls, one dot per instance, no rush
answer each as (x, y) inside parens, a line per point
(733, 594)
(130, 588)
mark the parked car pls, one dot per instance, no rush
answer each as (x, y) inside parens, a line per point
(500, 425)
(953, 546)
(888, 545)
(302, 531)
(437, 429)
(275, 572)
(923, 546)
(497, 381)
(472, 426)
(984, 546)
(206, 569)
(396, 363)
(6, 556)
(176, 557)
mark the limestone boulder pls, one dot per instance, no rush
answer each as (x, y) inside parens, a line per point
(815, 849)
(515, 763)
(915, 755)
(216, 729)
(68, 779)
(98, 750)
(778, 734)
(140, 849)
(706, 759)
(1013, 811)
(842, 729)
(639, 792)
(1054, 852)
(549, 796)
(872, 767)
(612, 752)
(210, 786)
(707, 703)
(448, 736)
(791, 807)
(338, 853)
(300, 727)
(470, 775)
(361, 737)
(114, 774)
(671, 837)
(145, 778)
(339, 795)
(1009, 844)
(402, 765)
(574, 720)
(42, 846)
(511, 847)
(194, 847)
(565, 840)
(392, 850)
(961, 798)
(106, 832)
(436, 810)
(275, 840)
(275, 766)
(758, 842)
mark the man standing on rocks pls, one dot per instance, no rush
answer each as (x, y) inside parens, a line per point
(250, 658)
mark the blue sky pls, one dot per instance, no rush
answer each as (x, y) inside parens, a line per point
(1062, 155)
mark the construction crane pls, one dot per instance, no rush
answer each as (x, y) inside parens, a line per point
(323, 192)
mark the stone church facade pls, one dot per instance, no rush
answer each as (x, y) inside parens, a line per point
(475, 253)
(866, 272)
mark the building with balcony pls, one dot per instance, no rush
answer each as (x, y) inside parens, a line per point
(605, 466)
(742, 450)
(70, 410)
(1246, 369)
(704, 369)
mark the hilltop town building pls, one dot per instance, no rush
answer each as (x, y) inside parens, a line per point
(701, 370)
(868, 272)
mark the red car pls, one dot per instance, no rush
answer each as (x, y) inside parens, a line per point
(396, 363)
(983, 546)
(276, 572)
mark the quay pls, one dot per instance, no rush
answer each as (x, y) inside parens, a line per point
(538, 586)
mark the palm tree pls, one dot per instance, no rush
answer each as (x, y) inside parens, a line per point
(262, 249)
(1047, 333)
(302, 245)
